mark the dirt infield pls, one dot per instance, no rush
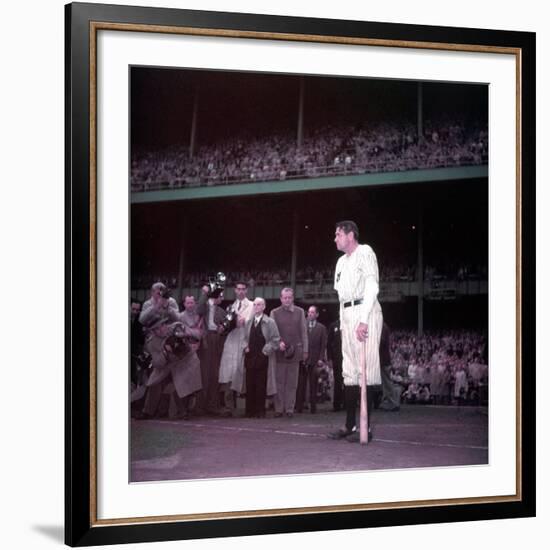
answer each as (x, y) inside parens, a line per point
(208, 447)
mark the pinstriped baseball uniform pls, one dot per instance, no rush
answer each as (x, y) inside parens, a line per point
(356, 278)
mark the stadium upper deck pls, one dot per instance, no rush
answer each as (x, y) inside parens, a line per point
(211, 128)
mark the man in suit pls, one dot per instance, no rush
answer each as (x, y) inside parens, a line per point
(211, 346)
(317, 354)
(293, 348)
(261, 341)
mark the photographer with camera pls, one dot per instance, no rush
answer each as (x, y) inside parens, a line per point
(156, 333)
(180, 349)
(160, 305)
(156, 314)
(239, 312)
(213, 317)
(175, 373)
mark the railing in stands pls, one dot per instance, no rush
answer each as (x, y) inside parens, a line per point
(287, 173)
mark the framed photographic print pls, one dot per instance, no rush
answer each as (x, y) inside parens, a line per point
(337, 182)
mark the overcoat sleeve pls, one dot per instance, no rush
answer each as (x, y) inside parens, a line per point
(271, 335)
(147, 312)
(272, 338)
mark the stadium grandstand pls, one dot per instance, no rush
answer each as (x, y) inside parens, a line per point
(247, 173)
(293, 128)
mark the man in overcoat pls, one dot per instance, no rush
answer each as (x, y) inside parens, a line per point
(183, 372)
(232, 355)
(293, 348)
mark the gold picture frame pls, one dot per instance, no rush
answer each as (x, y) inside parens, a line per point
(83, 23)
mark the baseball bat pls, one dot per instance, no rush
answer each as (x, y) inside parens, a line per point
(363, 411)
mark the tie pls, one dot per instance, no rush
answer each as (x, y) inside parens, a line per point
(240, 304)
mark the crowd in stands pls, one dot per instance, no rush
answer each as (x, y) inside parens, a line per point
(319, 275)
(343, 150)
(452, 270)
(440, 367)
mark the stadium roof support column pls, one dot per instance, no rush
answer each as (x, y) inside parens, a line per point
(295, 224)
(419, 111)
(300, 133)
(194, 116)
(420, 269)
(181, 263)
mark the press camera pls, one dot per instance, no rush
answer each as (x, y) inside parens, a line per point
(216, 285)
